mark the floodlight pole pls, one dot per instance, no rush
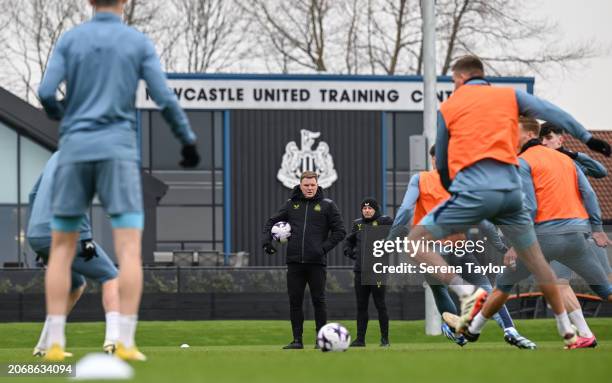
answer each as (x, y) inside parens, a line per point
(428, 9)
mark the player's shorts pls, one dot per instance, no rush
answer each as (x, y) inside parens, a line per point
(100, 268)
(116, 182)
(569, 249)
(602, 256)
(468, 208)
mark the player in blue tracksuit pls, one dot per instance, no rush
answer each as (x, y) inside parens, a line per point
(101, 63)
(443, 300)
(91, 260)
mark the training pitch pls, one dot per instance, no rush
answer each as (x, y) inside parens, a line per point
(250, 351)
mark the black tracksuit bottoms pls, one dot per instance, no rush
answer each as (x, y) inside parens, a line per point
(362, 293)
(298, 276)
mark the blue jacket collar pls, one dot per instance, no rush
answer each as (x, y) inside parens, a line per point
(476, 81)
(107, 16)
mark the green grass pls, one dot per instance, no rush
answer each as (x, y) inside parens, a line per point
(249, 351)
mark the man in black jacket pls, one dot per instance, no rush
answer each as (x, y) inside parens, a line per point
(370, 215)
(316, 228)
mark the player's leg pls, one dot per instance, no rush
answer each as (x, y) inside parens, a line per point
(296, 284)
(317, 278)
(118, 185)
(602, 257)
(502, 317)
(362, 294)
(378, 294)
(518, 229)
(73, 190)
(95, 264)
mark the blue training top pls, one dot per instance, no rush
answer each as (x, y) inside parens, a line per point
(39, 225)
(102, 61)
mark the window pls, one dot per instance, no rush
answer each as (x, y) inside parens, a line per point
(191, 213)
(399, 128)
(8, 170)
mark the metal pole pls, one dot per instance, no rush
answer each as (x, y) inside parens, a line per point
(429, 71)
(428, 7)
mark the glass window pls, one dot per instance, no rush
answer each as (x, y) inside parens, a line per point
(167, 149)
(176, 223)
(8, 170)
(8, 233)
(186, 187)
(145, 139)
(33, 158)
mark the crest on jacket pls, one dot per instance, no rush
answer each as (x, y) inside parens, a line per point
(297, 160)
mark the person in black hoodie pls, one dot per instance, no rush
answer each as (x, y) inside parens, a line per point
(316, 228)
(370, 215)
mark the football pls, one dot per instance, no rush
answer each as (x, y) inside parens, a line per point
(333, 337)
(281, 231)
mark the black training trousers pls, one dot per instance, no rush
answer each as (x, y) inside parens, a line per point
(362, 293)
(298, 275)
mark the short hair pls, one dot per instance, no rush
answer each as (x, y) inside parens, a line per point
(548, 128)
(469, 64)
(105, 3)
(432, 150)
(309, 174)
(530, 124)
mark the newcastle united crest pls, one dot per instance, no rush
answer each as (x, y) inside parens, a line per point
(297, 160)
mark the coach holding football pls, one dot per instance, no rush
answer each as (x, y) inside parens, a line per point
(316, 228)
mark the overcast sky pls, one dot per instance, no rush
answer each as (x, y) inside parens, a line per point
(585, 93)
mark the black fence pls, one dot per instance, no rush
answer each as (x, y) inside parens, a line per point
(209, 293)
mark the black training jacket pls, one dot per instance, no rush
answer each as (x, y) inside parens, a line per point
(316, 227)
(352, 243)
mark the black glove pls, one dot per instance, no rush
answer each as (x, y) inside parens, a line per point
(600, 146)
(269, 249)
(191, 158)
(88, 250)
(569, 153)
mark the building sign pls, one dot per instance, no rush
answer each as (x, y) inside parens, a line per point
(297, 160)
(223, 94)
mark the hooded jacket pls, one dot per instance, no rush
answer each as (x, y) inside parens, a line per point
(316, 227)
(352, 243)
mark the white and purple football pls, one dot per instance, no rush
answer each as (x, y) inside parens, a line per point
(333, 337)
(281, 231)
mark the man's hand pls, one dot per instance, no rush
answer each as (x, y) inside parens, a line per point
(269, 249)
(510, 259)
(601, 239)
(599, 146)
(191, 158)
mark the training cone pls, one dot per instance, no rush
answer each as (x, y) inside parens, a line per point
(102, 366)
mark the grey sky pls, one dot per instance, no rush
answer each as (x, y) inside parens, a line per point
(585, 91)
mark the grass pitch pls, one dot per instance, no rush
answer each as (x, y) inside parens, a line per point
(249, 351)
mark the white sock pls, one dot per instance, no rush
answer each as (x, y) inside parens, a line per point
(563, 324)
(42, 341)
(55, 330)
(477, 323)
(127, 329)
(460, 287)
(112, 326)
(578, 320)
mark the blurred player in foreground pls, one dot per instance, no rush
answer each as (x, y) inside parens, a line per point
(101, 62)
(91, 261)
